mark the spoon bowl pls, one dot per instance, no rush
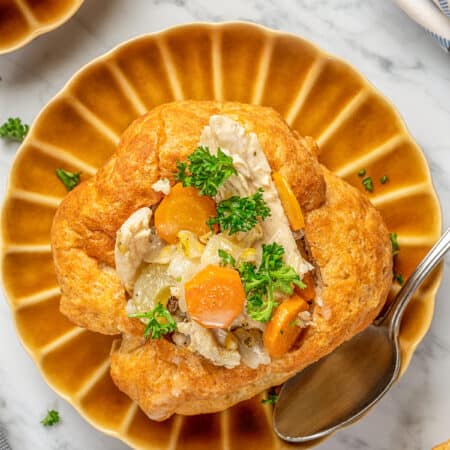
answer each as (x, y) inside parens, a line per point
(341, 387)
(338, 389)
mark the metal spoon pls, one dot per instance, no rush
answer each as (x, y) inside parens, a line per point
(340, 388)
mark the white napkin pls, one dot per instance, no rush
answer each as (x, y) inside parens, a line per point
(433, 15)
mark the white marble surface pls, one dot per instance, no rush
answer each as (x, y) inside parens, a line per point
(377, 38)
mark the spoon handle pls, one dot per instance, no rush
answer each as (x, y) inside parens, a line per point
(405, 294)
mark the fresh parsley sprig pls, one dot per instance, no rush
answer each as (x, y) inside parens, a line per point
(240, 213)
(51, 418)
(261, 283)
(205, 172)
(160, 322)
(14, 130)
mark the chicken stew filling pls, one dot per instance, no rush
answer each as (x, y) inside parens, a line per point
(221, 265)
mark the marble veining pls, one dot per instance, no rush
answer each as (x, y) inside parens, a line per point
(395, 54)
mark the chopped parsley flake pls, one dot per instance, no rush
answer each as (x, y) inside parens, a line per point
(160, 322)
(399, 278)
(51, 418)
(204, 171)
(394, 242)
(368, 184)
(227, 259)
(69, 179)
(362, 172)
(271, 399)
(384, 179)
(14, 130)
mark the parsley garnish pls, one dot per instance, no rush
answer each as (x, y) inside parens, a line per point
(160, 322)
(51, 418)
(271, 399)
(368, 184)
(227, 259)
(69, 179)
(395, 249)
(261, 283)
(240, 213)
(207, 172)
(394, 242)
(362, 172)
(14, 130)
(399, 278)
(384, 179)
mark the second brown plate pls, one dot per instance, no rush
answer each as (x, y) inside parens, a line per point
(23, 20)
(79, 129)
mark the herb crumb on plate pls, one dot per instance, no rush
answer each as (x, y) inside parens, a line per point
(51, 418)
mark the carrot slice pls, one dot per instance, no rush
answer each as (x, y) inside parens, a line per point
(281, 331)
(183, 209)
(289, 201)
(215, 296)
(309, 292)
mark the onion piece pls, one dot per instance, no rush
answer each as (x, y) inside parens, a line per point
(152, 287)
(216, 243)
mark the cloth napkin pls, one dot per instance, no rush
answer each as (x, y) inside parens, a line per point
(3, 442)
(444, 6)
(433, 15)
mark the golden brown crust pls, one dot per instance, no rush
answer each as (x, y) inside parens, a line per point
(348, 240)
(85, 225)
(350, 244)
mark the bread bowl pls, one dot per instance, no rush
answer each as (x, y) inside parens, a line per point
(347, 249)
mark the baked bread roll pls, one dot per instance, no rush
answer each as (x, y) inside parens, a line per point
(344, 250)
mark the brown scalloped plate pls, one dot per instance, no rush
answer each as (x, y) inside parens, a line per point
(23, 20)
(79, 129)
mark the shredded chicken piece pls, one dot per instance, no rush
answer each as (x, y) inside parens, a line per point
(162, 185)
(135, 240)
(203, 342)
